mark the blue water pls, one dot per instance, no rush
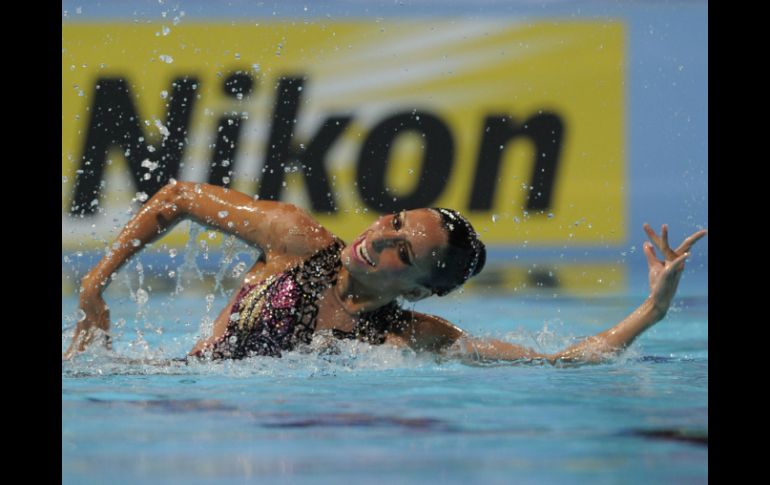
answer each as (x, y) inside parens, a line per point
(385, 415)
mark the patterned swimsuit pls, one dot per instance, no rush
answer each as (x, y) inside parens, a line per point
(280, 312)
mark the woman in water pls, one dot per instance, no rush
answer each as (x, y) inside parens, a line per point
(308, 281)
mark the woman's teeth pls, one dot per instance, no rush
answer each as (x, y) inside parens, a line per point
(365, 254)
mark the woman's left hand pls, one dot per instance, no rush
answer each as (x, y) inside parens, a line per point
(664, 275)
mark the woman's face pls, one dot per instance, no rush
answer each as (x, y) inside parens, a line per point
(397, 251)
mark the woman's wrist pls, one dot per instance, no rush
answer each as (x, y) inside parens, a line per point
(90, 288)
(658, 307)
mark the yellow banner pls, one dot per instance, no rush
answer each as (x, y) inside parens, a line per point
(518, 125)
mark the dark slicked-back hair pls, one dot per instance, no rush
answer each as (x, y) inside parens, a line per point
(463, 257)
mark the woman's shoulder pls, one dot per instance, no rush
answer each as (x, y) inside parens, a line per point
(295, 233)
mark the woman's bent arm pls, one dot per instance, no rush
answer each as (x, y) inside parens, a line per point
(276, 228)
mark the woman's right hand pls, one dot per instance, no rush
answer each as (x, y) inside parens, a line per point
(96, 322)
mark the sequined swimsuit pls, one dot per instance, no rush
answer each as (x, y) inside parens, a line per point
(280, 312)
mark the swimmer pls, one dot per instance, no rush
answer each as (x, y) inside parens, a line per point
(308, 281)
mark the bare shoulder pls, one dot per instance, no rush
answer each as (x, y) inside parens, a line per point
(428, 332)
(290, 230)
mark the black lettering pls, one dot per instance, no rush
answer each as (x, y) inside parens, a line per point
(283, 155)
(311, 161)
(223, 160)
(546, 131)
(239, 85)
(114, 122)
(438, 157)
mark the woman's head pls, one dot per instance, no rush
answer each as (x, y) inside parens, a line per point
(463, 256)
(416, 253)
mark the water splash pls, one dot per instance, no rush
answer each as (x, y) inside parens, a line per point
(190, 253)
(318, 359)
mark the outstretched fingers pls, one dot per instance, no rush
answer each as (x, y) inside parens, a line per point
(678, 263)
(661, 241)
(651, 234)
(649, 251)
(690, 241)
(663, 245)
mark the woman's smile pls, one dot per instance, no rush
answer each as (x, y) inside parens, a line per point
(361, 253)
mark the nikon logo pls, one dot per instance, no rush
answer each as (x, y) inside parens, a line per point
(114, 123)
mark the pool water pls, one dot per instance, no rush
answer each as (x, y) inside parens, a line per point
(384, 415)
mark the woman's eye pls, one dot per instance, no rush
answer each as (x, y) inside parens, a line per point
(396, 222)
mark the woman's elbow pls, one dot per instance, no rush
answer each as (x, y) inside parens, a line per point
(169, 202)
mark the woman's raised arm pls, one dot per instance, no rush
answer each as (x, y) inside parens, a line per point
(432, 333)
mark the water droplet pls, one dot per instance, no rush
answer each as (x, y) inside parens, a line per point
(172, 252)
(165, 30)
(222, 214)
(136, 243)
(163, 94)
(494, 217)
(163, 130)
(239, 269)
(166, 58)
(80, 315)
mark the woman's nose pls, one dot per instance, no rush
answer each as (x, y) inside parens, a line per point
(382, 242)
